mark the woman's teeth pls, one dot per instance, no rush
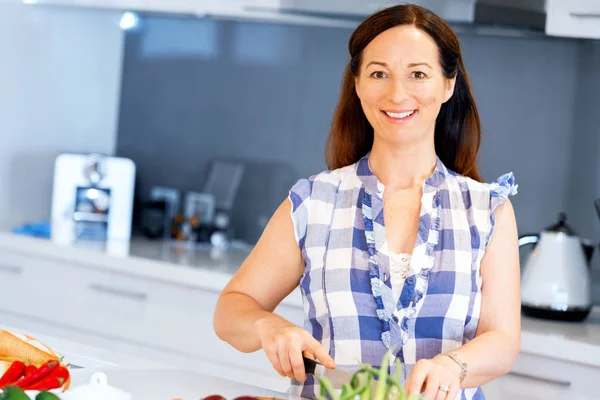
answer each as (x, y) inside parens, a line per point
(400, 115)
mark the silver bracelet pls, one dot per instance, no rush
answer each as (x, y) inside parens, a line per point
(461, 363)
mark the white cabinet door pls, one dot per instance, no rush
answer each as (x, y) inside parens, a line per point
(158, 315)
(573, 18)
(167, 6)
(524, 388)
(547, 375)
(455, 10)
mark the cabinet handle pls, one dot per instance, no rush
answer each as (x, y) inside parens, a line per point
(584, 15)
(11, 269)
(138, 296)
(540, 379)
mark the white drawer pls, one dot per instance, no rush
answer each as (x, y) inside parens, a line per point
(69, 294)
(523, 388)
(573, 18)
(35, 286)
(160, 315)
(558, 375)
(180, 319)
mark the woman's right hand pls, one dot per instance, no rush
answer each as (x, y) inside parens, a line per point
(285, 344)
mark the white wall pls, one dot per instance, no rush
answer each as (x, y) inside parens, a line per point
(60, 78)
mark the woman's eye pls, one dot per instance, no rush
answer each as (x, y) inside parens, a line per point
(378, 75)
(419, 75)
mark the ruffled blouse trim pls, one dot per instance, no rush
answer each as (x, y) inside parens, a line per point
(500, 190)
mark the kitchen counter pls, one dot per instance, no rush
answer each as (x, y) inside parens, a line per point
(84, 355)
(142, 378)
(147, 379)
(201, 267)
(167, 384)
(209, 269)
(576, 342)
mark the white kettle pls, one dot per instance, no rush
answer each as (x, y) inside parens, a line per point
(556, 282)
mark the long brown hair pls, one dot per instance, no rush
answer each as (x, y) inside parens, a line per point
(457, 128)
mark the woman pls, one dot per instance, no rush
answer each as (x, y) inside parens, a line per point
(398, 245)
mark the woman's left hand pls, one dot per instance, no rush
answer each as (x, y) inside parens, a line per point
(436, 378)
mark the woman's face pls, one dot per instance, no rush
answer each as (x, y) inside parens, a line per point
(401, 85)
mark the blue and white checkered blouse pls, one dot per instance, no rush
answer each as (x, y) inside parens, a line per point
(348, 302)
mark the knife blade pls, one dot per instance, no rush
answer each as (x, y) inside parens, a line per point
(337, 377)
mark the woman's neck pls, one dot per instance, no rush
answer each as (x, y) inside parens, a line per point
(402, 167)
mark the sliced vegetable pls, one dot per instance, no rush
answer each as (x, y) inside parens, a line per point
(13, 373)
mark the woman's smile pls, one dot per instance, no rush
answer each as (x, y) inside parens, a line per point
(399, 116)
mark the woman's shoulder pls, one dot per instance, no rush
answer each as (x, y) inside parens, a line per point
(324, 182)
(488, 194)
(504, 185)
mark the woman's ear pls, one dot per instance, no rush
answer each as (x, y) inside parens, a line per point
(356, 87)
(450, 84)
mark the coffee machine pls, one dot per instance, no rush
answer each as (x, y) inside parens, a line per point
(92, 199)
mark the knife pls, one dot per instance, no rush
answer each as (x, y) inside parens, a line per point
(337, 377)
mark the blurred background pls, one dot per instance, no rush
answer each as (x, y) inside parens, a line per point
(165, 133)
(177, 87)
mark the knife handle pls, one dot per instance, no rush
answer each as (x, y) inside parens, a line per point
(310, 366)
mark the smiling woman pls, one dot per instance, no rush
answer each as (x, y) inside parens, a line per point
(399, 247)
(406, 56)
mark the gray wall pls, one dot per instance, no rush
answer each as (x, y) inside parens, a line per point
(585, 169)
(194, 90)
(60, 80)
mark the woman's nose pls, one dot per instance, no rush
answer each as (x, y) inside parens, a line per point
(397, 92)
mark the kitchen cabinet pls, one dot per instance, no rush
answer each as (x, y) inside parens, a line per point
(573, 18)
(546, 377)
(451, 10)
(162, 310)
(332, 12)
(163, 6)
(157, 314)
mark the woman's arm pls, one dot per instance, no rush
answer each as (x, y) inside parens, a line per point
(244, 315)
(497, 341)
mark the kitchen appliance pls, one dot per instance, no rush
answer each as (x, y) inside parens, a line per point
(556, 282)
(159, 211)
(92, 198)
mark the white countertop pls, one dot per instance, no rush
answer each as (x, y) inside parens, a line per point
(84, 355)
(205, 268)
(142, 378)
(211, 270)
(578, 342)
(167, 384)
(146, 379)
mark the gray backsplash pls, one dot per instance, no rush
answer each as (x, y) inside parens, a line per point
(195, 90)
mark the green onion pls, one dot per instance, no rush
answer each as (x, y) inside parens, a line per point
(362, 384)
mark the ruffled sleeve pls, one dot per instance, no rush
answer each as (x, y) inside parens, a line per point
(500, 190)
(299, 195)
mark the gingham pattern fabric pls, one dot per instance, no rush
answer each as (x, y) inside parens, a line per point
(348, 302)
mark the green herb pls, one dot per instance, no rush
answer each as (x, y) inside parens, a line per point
(362, 383)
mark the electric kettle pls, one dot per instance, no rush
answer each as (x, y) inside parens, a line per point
(556, 281)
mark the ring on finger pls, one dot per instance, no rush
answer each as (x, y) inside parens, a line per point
(444, 388)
